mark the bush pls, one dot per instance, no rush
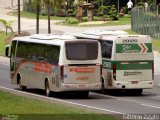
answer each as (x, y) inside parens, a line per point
(43, 12)
(28, 7)
(84, 19)
(113, 13)
(96, 18)
(72, 21)
(100, 13)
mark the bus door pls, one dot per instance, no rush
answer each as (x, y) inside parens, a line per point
(13, 61)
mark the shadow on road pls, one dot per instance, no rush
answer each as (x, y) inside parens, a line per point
(127, 93)
(66, 95)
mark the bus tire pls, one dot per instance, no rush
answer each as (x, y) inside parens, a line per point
(103, 90)
(47, 89)
(19, 81)
(139, 92)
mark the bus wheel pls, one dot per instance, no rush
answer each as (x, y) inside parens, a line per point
(23, 88)
(47, 89)
(139, 91)
(103, 90)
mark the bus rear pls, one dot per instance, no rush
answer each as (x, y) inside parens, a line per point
(81, 69)
(133, 63)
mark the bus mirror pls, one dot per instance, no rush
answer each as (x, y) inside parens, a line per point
(7, 51)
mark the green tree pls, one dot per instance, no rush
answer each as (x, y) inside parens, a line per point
(7, 25)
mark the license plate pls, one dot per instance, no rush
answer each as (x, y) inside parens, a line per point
(134, 82)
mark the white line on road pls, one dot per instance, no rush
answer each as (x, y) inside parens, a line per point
(59, 100)
(151, 106)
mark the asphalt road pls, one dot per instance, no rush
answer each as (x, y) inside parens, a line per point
(120, 103)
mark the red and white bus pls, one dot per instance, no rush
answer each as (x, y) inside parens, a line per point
(56, 63)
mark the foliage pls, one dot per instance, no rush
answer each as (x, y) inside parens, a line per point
(72, 21)
(7, 25)
(84, 19)
(95, 18)
(43, 12)
(113, 13)
(70, 11)
(28, 6)
(3, 37)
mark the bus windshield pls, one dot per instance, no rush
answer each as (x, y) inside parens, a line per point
(82, 50)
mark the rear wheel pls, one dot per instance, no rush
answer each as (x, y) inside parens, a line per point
(47, 89)
(103, 90)
(23, 88)
(139, 91)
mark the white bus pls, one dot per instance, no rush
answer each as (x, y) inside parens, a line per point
(127, 60)
(56, 63)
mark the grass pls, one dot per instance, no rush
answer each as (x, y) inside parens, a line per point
(122, 21)
(29, 108)
(155, 42)
(3, 36)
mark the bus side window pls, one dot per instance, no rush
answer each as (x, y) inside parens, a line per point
(52, 53)
(106, 47)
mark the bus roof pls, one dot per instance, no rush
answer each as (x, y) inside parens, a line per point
(105, 32)
(96, 35)
(125, 37)
(47, 39)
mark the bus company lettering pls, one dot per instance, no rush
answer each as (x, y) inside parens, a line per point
(128, 49)
(126, 73)
(90, 70)
(129, 40)
(40, 67)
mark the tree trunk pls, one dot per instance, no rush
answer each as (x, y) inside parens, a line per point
(37, 18)
(49, 20)
(19, 21)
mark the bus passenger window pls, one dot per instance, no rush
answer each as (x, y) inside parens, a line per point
(52, 54)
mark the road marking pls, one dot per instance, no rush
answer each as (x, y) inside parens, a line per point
(59, 100)
(151, 106)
